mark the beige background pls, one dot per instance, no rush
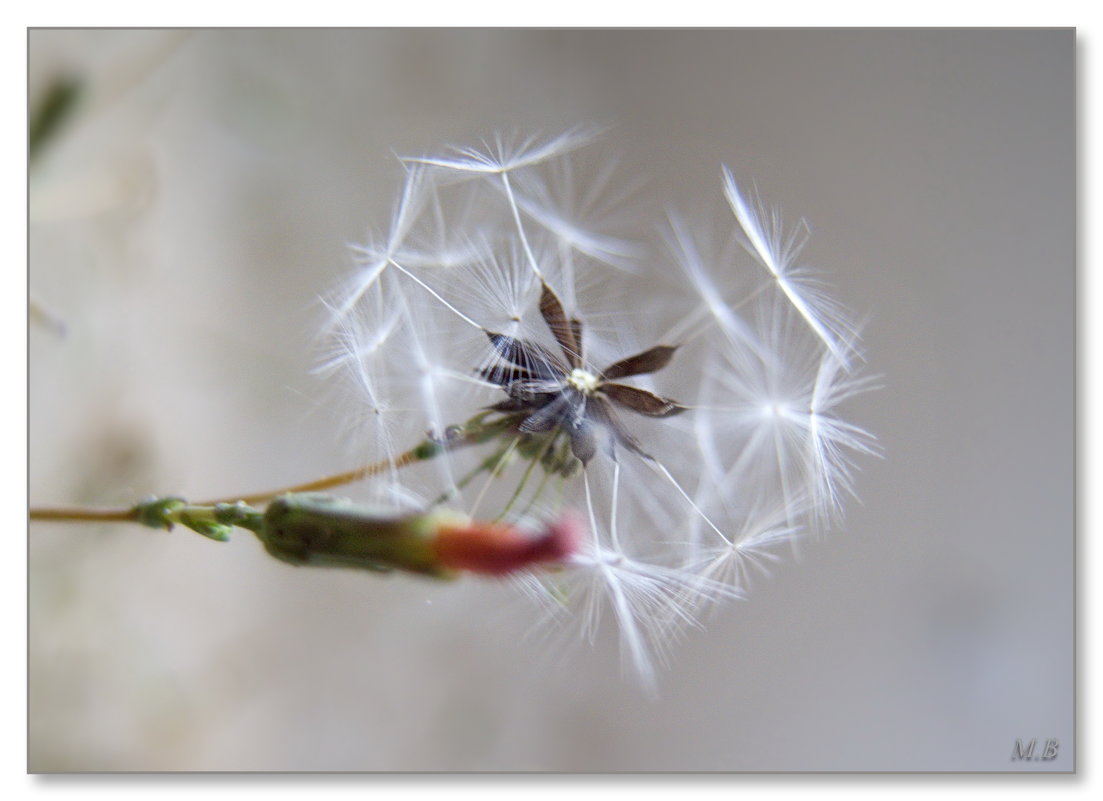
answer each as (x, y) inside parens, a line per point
(184, 225)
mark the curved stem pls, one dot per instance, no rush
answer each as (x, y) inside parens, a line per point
(87, 513)
(474, 432)
(326, 482)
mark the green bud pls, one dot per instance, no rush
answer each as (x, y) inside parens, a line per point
(158, 512)
(428, 449)
(320, 530)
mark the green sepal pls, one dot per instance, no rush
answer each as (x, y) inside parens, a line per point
(238, 514)
(158, 512)
(219, 532)
(214, 522)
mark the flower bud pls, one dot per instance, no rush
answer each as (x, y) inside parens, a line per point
(499, 548)
(319, 530)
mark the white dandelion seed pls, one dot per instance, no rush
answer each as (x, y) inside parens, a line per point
(777, 249)
(703, 275)
(762, 531)
(374, 258)
(651, 604)
(574, 209)
(779, 419)
(507, 154)
(833, 442)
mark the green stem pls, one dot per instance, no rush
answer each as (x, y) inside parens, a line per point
(535, 460)
(539, 491)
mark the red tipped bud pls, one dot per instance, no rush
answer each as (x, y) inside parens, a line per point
(317, 530)
(497, 549)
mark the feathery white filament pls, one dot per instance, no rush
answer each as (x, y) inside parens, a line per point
(520, 226)
(661, 468)
(777, 259)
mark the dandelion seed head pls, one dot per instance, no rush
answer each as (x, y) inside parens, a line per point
(502, 317)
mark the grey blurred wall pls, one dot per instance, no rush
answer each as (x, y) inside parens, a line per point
(185, 223)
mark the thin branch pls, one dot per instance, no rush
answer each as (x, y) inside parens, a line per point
(327, 482)
(78, 513)
(425, 450)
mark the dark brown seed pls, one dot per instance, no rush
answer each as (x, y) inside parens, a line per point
(549, 416)
(602, 414)
(576, 330)
(504, 376)
(530, 356)
(649, 361)
(565, 331)
(641, 401)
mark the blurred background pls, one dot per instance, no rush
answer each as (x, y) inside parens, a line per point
(201, 194)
